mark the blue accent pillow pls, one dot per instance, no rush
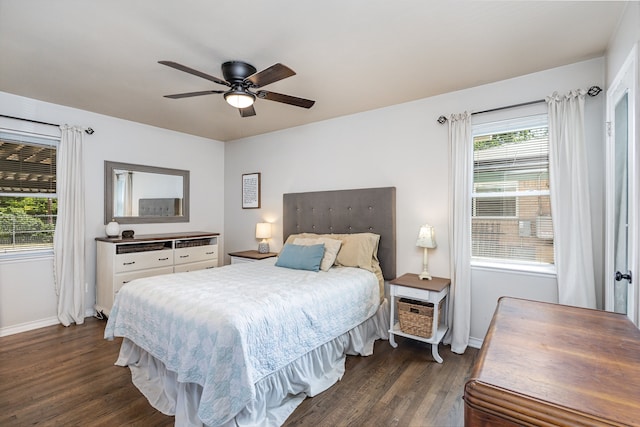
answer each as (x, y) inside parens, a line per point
(301, 257)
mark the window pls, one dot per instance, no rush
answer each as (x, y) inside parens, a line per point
(28, 203)
(511, 209)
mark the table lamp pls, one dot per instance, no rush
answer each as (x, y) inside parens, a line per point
(426, 240)
(263, 231)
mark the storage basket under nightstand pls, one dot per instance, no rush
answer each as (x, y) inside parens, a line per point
(416, 317)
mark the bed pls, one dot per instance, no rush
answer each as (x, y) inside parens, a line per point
(246, 343)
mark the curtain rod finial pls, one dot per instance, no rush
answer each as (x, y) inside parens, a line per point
(442, 120)
(594, 91)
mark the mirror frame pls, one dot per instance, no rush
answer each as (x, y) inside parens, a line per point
(108, 194)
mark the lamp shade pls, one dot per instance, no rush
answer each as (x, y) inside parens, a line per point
(239, 98)
(426, 237)
(263, 230)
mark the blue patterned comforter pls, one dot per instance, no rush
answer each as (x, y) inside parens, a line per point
(227, 328)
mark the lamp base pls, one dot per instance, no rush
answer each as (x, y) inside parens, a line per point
(425, 275)
(425, 267)
(263, 247)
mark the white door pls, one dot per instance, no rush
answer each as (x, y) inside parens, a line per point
(621, 294)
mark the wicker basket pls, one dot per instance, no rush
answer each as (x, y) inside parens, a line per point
(416, 317)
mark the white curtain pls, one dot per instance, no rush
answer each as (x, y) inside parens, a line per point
(460, 179)
(124, 188)
(570, 206)
(68, 239)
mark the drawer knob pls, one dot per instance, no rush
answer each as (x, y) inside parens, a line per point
(128, 263)
(163, 259)
(184, 256)
(210, 253)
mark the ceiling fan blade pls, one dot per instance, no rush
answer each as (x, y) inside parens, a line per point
(286, 99)
(270, 75)
(186, 69)
(189, 94)
(247, 112)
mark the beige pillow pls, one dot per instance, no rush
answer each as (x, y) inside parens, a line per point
(331, 248)
(358, 250)
(293, 237)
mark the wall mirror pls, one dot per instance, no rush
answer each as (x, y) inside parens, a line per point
(139, 194)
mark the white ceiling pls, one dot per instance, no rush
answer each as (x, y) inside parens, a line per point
(349, 55)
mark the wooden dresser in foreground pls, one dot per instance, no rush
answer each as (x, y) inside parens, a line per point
(552, 365)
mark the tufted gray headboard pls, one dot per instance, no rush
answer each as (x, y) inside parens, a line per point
(370, 210)
(159, 207)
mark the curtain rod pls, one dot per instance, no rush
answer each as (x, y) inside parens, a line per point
(593, 91)
(87, 130)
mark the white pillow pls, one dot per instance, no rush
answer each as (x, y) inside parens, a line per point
(331, 248)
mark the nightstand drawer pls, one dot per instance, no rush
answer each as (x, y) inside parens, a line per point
(240, 260)
(404, 291)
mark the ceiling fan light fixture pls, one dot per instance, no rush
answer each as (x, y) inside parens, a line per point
(239, 98)
(240, 79)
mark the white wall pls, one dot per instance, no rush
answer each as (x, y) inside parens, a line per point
(404, 146)
(627, 34)
(27, 298)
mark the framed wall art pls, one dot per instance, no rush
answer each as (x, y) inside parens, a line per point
(251, 190)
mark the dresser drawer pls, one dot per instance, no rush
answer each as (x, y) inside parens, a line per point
(143, 260)
(124, 278)
(196, 253)
(201, 265)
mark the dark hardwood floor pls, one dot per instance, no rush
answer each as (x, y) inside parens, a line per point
(57, 376)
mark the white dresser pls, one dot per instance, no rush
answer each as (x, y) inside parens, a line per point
(121, 260)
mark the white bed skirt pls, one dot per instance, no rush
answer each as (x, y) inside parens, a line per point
(277, 395)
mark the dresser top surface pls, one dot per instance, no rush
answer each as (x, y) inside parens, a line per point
(587, 361)
(161, 236)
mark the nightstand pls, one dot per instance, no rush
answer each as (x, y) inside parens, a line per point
(249, 256)
(433, 291)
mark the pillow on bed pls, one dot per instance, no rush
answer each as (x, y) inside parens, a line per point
(331, 248)
(358, 250)
(301, 257)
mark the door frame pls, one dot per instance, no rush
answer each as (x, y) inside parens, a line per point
(626, 81)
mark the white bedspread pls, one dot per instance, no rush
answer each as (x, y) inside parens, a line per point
(227, 328)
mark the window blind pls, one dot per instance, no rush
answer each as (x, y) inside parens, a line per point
(511, 210)
(27, 164)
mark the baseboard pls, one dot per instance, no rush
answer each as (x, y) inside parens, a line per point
(475, 342)
(28, 326)
(37, 324)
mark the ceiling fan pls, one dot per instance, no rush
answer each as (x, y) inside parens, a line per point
(242, 78)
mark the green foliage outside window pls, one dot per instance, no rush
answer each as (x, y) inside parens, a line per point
(27, 222)
(498, 139)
